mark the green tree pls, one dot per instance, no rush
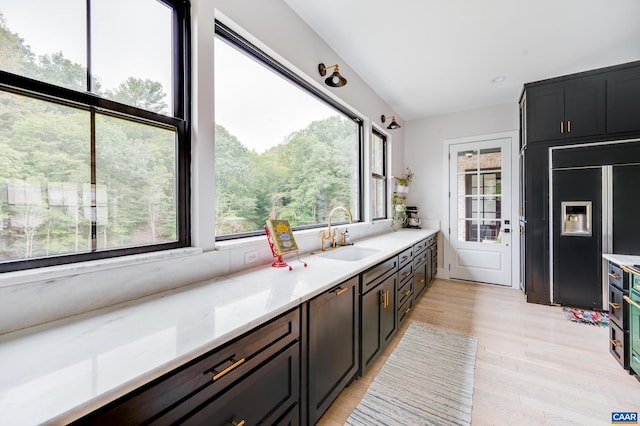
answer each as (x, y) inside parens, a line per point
(147, 94)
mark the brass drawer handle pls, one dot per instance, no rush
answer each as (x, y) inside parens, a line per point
(422, 281)
(407, 292)
(631, 302)
(240, 423)
(614, 276)
(615, 343)
(339, 291)
(406, 311)
(614, 305)
(233, 366)
(406, 257)
(406, 274)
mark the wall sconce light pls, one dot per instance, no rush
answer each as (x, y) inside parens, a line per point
(393, 125)
(335, 79)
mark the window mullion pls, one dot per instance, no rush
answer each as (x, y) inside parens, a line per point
(94, 186)
(88, 40)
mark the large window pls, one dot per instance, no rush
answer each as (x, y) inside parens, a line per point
(283, 148)
(93, 129)
(378, 166)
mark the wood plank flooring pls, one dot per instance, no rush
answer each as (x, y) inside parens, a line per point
(533, 366)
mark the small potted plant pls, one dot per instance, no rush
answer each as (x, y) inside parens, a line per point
(403, 182)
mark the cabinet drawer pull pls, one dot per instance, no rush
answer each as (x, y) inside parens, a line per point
(407, 292)
(422, 281)
(406, 311)
(614, 305)
(386, 299)
(615, 343)
(406, 274)
(631, 302)
(562, 127)
(233, 366)
(614, 276)
(240, 423)
(569, 126)
(339, 291)
(406, 257)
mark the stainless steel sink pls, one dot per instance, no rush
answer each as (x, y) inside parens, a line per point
(350, 253)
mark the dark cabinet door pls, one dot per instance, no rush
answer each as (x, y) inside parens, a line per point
(584, 107)
(545, 112)
(333, 335)
(421, 273)
(378, 320)
(626, 209)
(568, 109)
(623, 101)
(577, 259)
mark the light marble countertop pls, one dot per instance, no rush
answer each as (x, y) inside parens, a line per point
(60, 371)
(630, 260)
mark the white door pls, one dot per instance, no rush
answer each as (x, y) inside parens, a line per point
(480, 208)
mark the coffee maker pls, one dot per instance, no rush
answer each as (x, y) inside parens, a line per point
(412, 221)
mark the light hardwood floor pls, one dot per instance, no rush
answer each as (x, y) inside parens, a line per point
(533, 366)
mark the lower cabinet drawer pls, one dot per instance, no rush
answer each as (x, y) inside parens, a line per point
(404, 309)
(618, 345)
(203, 378)
(405, 274)
(269, 395)
(618, 309)
(404, 292)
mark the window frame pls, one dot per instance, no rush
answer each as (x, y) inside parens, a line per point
(381, 177)
(247, 47)
(88, 101)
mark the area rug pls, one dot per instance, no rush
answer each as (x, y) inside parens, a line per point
(427, 380)
(582, 316)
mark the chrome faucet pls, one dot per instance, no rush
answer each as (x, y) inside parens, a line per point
(328, 234)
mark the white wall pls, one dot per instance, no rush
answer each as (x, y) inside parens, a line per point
(37, 296)
(424, 153)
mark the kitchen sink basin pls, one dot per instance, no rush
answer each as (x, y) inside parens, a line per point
(350, 253)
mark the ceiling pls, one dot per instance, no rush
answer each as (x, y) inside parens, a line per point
(432, 57)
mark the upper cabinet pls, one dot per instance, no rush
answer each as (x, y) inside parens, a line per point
(582, 107)
(623, 101)
(567, 109)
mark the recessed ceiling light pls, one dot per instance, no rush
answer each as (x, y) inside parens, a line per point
(499, 79)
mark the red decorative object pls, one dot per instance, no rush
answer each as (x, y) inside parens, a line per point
(279, 263)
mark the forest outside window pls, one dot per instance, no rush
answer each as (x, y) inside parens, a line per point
(283, 148)
(94, 140)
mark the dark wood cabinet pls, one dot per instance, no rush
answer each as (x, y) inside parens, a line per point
(601, 105)
(267, 396)
(263, 361)
(566, 109)
(333, 345)
(378, 318)
(623, 101)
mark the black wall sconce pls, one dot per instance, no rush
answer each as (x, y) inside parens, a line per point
(393, 124)
(335, 79)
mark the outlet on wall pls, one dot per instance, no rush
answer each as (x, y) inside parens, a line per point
(250, 257)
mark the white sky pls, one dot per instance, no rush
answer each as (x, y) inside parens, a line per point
(257, 106)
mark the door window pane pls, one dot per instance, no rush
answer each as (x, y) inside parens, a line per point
(479, 188)
(136, 184)
(137, 33)
(45, 40)
(44, 165)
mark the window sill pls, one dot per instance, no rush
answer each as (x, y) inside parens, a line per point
(9, 279)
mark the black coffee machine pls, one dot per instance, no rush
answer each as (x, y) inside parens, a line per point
(412, 221)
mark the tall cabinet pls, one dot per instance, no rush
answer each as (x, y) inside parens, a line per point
(575, 110)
